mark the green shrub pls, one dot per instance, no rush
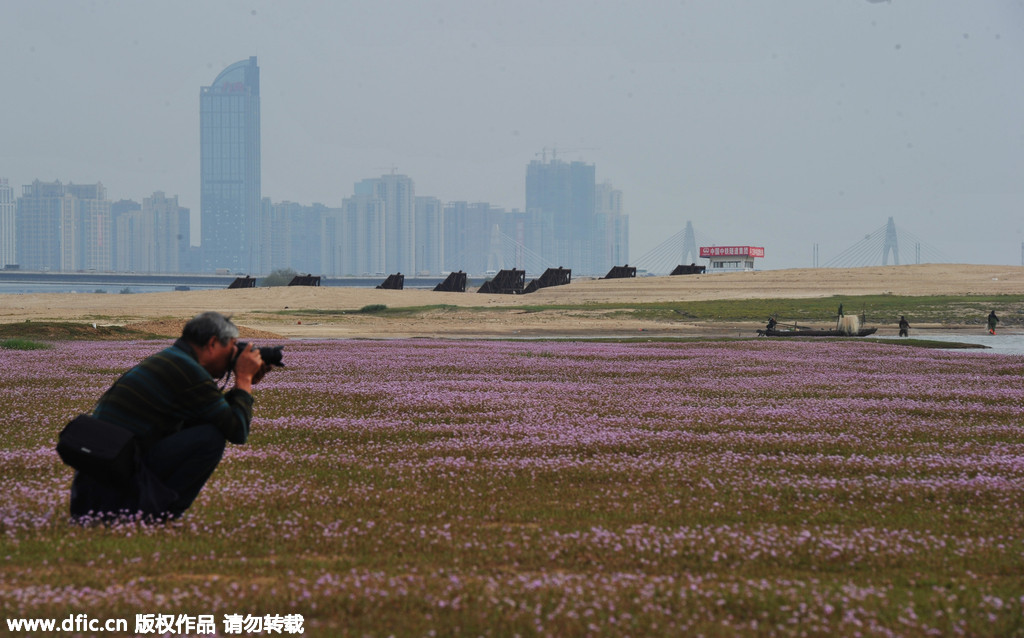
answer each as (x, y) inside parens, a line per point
(279, 277)
(23, 344)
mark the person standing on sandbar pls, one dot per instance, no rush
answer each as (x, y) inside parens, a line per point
(904, 327)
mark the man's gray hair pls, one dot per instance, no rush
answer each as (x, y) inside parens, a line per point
(208, 324)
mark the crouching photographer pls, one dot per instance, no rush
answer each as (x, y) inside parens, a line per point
(176, 422)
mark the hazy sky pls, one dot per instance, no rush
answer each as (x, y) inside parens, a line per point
(783, 124)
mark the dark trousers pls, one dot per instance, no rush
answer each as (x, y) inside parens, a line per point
(169, 478)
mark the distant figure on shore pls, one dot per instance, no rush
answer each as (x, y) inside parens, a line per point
(992, 321)
(904, 327)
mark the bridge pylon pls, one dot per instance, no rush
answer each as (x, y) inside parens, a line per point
(891, 245)
(689, 245)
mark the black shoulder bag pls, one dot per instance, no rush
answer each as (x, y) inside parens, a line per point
(102, 450)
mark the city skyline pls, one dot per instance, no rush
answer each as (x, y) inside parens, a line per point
(792, 126)
(382, 227)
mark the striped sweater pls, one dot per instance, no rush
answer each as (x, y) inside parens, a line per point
(169, 391)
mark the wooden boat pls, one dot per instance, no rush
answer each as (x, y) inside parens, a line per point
(810, 332)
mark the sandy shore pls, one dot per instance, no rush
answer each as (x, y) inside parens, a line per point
(304, 312)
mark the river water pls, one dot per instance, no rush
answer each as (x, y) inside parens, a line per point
(86, 285)
(1003, 342)
(90, 288)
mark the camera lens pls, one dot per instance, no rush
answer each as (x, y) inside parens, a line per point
(272, 355)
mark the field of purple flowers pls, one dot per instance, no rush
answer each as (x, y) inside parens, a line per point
(748, 487)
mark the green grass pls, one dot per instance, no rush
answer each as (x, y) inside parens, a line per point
(23, 344)
(380, 310)
(876, 310)
(69, 331)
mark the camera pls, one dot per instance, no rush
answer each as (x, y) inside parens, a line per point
(271, 355)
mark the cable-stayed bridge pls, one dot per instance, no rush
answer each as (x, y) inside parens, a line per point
(882, 246)
(506, 252)
(887, 245)
(679, 249)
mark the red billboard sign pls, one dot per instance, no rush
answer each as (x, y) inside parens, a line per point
(732, 251)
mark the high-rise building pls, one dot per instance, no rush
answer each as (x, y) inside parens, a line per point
(562, 194)
(8, 228)
(353, 238)
(429, 236)
(305, 234)
(294, 237)
(398, 194)
(40, 210)
(581, 226)
(154, 238)
(611, 228)
(274, 253)
(64, 227)
(171, 231)
(134, 235)
(91, 244)
(468, 230)
(607, 199)
(229, 167)
(279, 229)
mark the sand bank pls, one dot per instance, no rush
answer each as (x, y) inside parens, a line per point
(279, 311)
